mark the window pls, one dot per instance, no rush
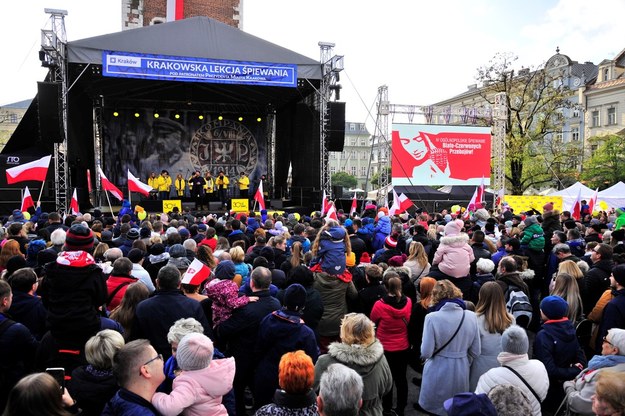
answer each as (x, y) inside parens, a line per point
(352, 126)
(595, 118)
(352, 141)
(353, 170)
(575, 134)
(558, 137)
(606, 74)
(13, 118)
(332, 170)
(363, 171)
(363, 142)
(575, 113)
(611, 116)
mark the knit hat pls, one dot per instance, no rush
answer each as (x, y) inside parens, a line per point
(453, 228)
(397, 261)
(133, 234)
(469, 404)
(18, 216)
(15, 263)
(447, 218)
(106, 236)
(481, 214)
(135, 255)
(618, 272)
(145, 232)
(554, 307)
(616, 337)
(530, 220)
(177, 250)
(195, 352)
(157, 249)
(390, 242)
(78, 237)
(350, 259)
(548, 206)
(184, 233)
(202, 227)
(365, 258)
(514, 340)
(225, 270)
(295, 297)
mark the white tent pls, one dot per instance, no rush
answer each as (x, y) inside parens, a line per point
(569, 195)
(614, 196)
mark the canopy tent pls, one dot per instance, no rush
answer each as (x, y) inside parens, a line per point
(614, 196)
(569, 195)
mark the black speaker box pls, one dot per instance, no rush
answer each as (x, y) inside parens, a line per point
(336, 127)
(50, 119)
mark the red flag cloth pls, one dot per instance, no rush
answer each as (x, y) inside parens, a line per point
(352, 210)
(404, 203)
(32, 171)
(89, 188)
(576, 212)
(135, 185)
(480, 193)
(259, 197)
(27, 201)
(593, 201)
(108, 186)
(175, 10)
(332, 213)
(74, 204)
(324, 203)
(394, 209)
(196, 273)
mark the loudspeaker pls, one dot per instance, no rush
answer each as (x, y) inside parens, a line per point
(336, 127)
(337, 192)
(50, 120)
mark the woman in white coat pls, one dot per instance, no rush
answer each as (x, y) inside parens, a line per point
(516, 367)
(451, 340)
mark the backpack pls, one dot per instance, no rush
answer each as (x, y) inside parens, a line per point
(519, 306)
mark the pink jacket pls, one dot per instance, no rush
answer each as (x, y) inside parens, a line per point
(391, 321)
(454, 255)
(198, 392)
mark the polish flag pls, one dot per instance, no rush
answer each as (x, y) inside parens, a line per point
(259, 197)
(332, 212)
(108, 186)
(499, 199)
(73, 206)
(352, 210)
(33, 171)
(135, 185)
(27, 201)
(324, 203)
(404, 203)
(576, 212)
(394, 209)
(196, 273)
(175, 10)
(593, 201)
(480, 193)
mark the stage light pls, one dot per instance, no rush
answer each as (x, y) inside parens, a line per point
(201, 117)
(176, 116)
(259, 119)
(156, 114)
(240, 118)
(137, 115)
(220, 118)
(115, 114)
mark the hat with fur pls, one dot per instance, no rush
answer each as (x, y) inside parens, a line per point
(195, 352)
(453, 228)
(481, 214)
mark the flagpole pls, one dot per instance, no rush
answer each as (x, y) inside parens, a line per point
(109, 201)
(41, 191)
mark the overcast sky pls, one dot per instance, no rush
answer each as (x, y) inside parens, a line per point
(425, 51)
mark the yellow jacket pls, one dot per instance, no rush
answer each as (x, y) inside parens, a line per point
(244, 183)
(164, 184)
(209, 185)
(180, 184)
(153, 182)
(222, 183)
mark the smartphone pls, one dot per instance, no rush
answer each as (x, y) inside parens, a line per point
(59, 375)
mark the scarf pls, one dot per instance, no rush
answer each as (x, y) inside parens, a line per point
(442, 303)
(603, 361)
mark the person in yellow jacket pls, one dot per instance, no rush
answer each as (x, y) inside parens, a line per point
(209, 186)
(244, 185)
(181, 184)
(222, 183)
(164, 184)
(152, 181)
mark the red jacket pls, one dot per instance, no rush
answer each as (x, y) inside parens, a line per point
(113, 283)
(391, 320)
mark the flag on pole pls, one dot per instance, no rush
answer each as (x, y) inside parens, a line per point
(259, 197)
(196, 273)
(324, 203)
(395, 206)
(27, 201)
(593, 201)
(332, 212)
(480, 194)
(352, 210)
(135, 185)
(404, 203)
(499, 199)
(73, 206)
(32, 171)
(175, 10)
(576, 212)
(89, 188)
(108, 186)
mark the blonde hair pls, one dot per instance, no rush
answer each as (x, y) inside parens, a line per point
(417, 253)
(237, 255)
(492, 305)
(100, 348)
(570, 267)
(356, 328)
(610, 387)
(444, 289)
(567, 288)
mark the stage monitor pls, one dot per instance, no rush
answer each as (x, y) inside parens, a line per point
(50, 119)
(336, 127)
(425, 154)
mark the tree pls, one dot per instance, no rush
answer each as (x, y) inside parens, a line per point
(536, 100)
(344, 179)
(376, 176)
(606, 166)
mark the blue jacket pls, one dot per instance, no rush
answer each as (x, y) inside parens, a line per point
(126, 403)
(18, 348)
(557, 347)
(498, 255)
(29, 311)
(380, 232)
(331, 254)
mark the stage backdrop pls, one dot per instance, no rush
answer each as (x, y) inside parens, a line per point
(425, 154)
(147, 144)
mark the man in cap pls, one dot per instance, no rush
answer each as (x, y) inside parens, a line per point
(169, 144)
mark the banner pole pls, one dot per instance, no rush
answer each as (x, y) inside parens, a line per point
(109, 201)
(40, 192)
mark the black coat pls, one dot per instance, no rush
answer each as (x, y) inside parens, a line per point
(29, 311)
(358, 246)
(92, 389)
(596, 281)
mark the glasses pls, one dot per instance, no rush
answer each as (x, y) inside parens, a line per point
(158, 357)
(605, 339)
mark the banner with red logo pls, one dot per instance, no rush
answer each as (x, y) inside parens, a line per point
(426, 154)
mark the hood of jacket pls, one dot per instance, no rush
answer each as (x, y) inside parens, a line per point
(384, 225)
(356, 354)
(455, 240)
(216, 379)
(527, 274)
(334, 233)
(394, 308)
(561, 330)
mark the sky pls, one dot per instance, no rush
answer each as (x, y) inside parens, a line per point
(425, 51)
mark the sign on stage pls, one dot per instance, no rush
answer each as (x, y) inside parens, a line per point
(240, 205)
(169, 204)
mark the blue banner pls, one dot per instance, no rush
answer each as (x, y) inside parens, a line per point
(176, 68)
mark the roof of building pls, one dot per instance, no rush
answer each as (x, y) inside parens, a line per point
(607, 84)
(20, 104)
(588, 71)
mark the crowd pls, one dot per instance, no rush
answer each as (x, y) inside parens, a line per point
(165, 314)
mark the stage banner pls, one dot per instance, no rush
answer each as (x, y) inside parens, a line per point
(240, 205)
(169, 204)
(426, 154)
(179, 68)
(523, 203)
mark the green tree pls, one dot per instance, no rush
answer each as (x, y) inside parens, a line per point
(376, 177)
(536, 101)
(344, 179)
(606, 166)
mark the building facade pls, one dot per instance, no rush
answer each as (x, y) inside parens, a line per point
(354, 159)
(10, 117)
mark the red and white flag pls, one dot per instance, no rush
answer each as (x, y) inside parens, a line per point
(499, 199)
(108, 186)
(324, 203)
(593, 201)
(73, 206)
(259, 196)
(352, 210)
(135, 185)
(175, 10)
(480, 193)
(332, 212)
(576, 212)
(27, 201)
(404, 203)
(32, 171)
(394, 209)
(196, 273)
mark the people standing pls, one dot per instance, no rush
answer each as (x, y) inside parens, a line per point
(197, 184)
(222, 183)
(244, 185)
(164, 185)
(181, 184)
(209, 187)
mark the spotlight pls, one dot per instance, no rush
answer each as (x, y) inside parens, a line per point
(259, 119)
(240, 118)
(176, 116)
(137, 115)
(201, 117)
(115, 114)
(220, 118)
(156, 114)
